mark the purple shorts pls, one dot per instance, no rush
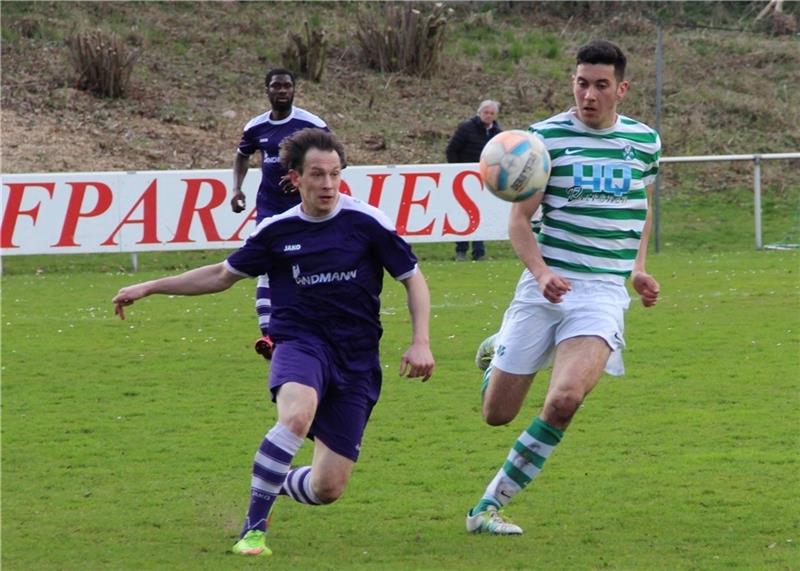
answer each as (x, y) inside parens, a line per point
(346, 396)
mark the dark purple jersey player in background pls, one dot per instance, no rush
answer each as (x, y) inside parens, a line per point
(326, 259)
(275, 193)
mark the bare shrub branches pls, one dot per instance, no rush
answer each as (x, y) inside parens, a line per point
(404, 39)
(102, 61)
(306, 55)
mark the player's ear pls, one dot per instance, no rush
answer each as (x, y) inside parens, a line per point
(622, 89)
(294, 178)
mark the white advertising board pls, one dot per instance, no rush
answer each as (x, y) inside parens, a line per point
(69, 213)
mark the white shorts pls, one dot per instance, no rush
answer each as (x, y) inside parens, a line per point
(533, 327)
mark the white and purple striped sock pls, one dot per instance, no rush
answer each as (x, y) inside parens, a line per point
(270, 467)
(297, 486)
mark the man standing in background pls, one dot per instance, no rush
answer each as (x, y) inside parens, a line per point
(275, 193)
(465, 146)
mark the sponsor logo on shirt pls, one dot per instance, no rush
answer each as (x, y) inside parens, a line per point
(596, 182)
(291, 247)
(576, 193)
(270, 160)
(263, 140)
(322, 277)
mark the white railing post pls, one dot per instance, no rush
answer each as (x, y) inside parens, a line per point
(757, 198)
(134, 262)
(756, 177)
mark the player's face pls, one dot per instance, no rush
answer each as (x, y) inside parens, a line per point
(319, 182)
(280, 92)
(597, 93)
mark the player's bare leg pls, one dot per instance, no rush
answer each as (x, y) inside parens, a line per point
(504, 396)
(330, 473)
(578, 365)
(579, 362)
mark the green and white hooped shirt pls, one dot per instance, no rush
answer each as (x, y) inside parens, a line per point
(595, 202)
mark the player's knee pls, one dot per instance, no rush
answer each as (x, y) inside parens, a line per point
(497, 416)
(562, 405)
(299, 421)
(330, 490)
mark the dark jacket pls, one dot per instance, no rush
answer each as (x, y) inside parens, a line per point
(467, 142)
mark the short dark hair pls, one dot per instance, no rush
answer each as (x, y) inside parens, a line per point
(277, 71)
(294, 148)
(602, 51)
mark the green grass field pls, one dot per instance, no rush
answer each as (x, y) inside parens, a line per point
(127, 445)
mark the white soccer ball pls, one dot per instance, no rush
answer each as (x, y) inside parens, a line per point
(515, 165)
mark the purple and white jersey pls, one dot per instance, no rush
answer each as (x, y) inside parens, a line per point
(326, 274)
(265, 134)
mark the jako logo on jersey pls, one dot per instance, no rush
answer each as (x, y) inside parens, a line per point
(323, 277)
(291, 247)
(264, 140)
(268, 159)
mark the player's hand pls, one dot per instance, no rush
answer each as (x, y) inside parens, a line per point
(238, 202)
(286, 184)
(417, 361)
(125, 297)
(553, 286)
(647, 288)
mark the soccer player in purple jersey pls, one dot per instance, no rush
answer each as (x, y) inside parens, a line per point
(275, 193)
(326, 258)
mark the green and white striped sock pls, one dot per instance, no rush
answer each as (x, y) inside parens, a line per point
(523, 463)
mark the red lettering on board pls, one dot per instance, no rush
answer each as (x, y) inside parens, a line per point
(469, 206)
(245, 222)
(149, 218)
(376, 189)
(75, 209)
(190, 209)
(407, 200)
(13, 209)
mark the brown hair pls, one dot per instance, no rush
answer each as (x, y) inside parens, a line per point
(294, 148)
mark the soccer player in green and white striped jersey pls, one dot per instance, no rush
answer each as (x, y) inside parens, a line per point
(569, 303)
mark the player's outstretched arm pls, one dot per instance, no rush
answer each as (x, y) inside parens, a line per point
(199, 281)
(418, 360)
